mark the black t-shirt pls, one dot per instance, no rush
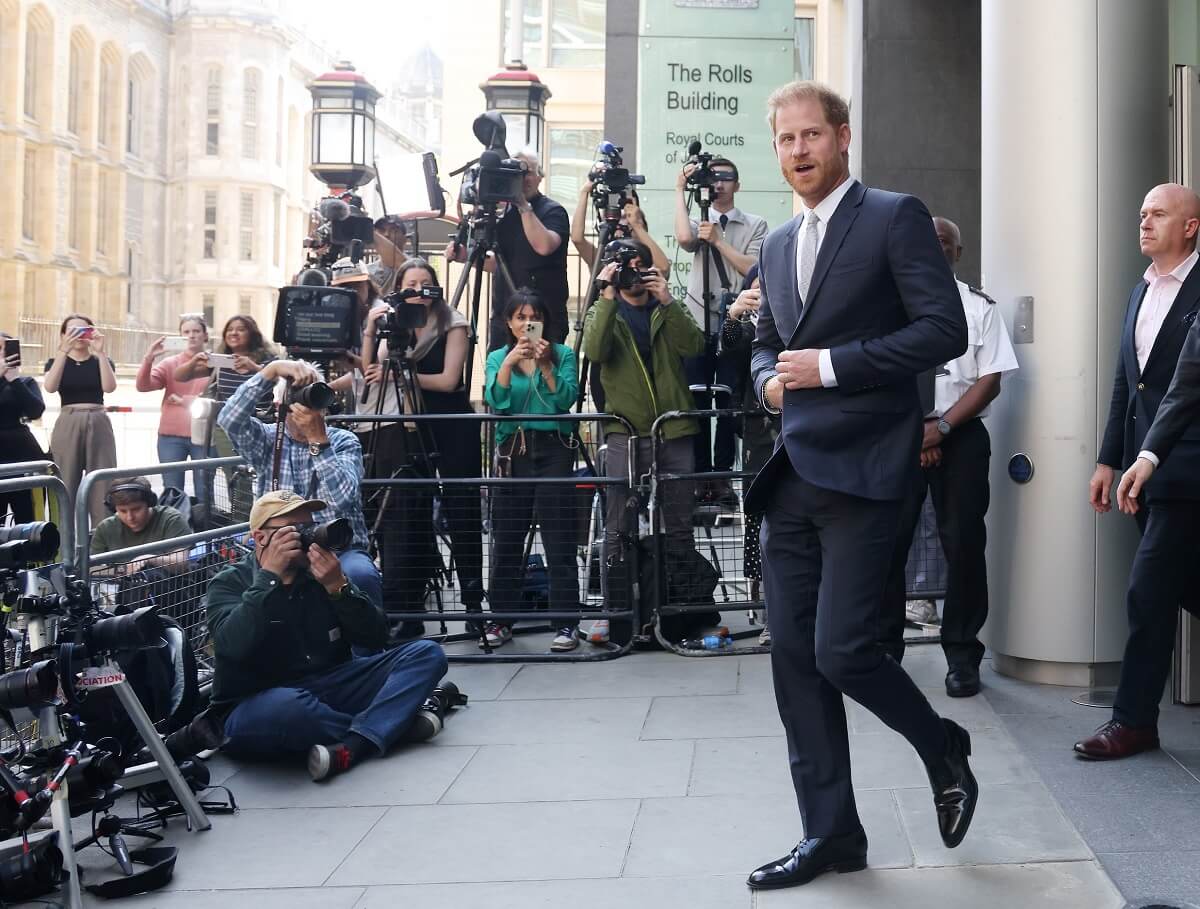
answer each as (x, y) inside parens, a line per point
(20, 400)
(80, 383)
(545, 274)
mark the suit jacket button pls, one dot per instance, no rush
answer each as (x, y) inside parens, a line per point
(1141, 386)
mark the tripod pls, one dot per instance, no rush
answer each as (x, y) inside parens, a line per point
(605, 228)
(480, 227)
(50, 732)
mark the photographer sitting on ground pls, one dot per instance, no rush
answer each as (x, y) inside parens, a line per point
(137, 519)
(639, 336)
(283, 621)
(316, 460)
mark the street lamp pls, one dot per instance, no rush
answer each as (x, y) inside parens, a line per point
(520, 97)
(343, 128)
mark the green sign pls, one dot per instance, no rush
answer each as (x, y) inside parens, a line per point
(704, 74)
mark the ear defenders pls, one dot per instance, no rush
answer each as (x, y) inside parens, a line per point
(148, 495)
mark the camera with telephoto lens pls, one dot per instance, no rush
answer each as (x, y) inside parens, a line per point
(704, 178)
(32, 688)
(21, 544)
(335, 535)
(314, 395)
(611, 181)
(495, 177)
(627, 276)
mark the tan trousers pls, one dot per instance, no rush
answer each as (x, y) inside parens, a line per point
(82, 440)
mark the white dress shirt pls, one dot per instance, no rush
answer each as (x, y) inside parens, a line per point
(989, 350)
(1160, 297)
(824, 209)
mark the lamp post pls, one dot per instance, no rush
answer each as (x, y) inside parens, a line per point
(520, 97)
(343, 128)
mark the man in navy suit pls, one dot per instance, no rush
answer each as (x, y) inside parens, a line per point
(1155, 411)
(856, 301)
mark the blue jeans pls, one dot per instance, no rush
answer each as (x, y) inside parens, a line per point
(360, 569)
(375, 697)
(180, 448)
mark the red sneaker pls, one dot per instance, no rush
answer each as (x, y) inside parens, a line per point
(327, 761)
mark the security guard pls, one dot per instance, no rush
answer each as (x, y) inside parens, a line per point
(954, 469)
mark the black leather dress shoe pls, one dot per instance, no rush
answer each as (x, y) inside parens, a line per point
(962, 682)
(811, 857)
(955, 790)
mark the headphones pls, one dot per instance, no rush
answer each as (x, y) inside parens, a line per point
(147, 494)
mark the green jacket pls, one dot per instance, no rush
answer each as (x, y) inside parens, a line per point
(265, 634)
(628, 389)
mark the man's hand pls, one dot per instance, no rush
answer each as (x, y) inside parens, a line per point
(279, 555)
(931, 457)
(710, 233)
(1099, 487)
(799, 369)
(1132, 484)
(309, 423)
(300, 374)
(606, 274)
(681, 180)
(455, 252)
(933, 436)
(657, 286)
(586, 189)
(326, 569)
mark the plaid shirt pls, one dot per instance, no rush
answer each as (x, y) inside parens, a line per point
(333, 476)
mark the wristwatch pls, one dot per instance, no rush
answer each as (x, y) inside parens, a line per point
(315, 448)
(341, 591)
(943, 426)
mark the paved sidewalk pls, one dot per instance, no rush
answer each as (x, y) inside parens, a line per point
(651, 781)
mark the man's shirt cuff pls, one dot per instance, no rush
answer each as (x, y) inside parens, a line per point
(1149, 456)
(825, 364)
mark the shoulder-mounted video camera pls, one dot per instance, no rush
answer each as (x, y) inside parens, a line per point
(611, 181)
(341, 229)
(495, 177)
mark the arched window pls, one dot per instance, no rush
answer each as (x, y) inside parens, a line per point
(75, 87)
(108, 108)
(212, 116)
(279, 124)
(37, 48)
(250, 113)
(29, 196)
(132, 125)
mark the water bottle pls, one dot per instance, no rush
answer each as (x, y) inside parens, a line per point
(710, 642)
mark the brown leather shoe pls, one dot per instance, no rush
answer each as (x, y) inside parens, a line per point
(1115, 740)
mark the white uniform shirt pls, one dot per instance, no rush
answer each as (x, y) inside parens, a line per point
(989, 350)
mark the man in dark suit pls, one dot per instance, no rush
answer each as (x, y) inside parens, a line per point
(856, 300)
(1155, 412)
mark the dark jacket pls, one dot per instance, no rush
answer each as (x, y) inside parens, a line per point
(266, 635)
(628, 388)
(1173, 418)
(884, 303)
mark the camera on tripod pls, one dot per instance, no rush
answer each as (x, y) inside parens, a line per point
(703, 178)
(611, 181)
(627, 276)
(404, 317)
(341, 228)
(494, 177)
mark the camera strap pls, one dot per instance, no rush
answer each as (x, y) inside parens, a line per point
(277, 457)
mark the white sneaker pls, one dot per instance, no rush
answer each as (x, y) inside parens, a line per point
(496, 634)
(922, 612)
(598, 633)
(764, 637)
(565, 640)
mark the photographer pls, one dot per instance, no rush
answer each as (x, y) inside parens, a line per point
(532, 376)
(532, 238)
(639, 336)
(391, 241)
(632, 226)
(315, 459)
(20, 402)
(137, 519)
(436, 357)
(283, 621)
(82, 438)
(734, 238)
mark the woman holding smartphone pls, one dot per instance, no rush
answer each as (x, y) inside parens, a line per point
(20, 402)
(175, 422)
(529, 375)
(438, 353)
(82, 438)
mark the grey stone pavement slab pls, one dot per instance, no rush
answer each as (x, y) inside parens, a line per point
(660, 781)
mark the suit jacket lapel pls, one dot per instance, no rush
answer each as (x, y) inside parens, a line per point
(1129, 332)
(839, 226)
(1185, 302)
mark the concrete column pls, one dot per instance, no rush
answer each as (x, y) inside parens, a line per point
(1075, 122)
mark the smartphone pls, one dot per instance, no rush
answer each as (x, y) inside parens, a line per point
(220, 360)
(533, 331)
(86, 333)
(12, 348)
(175, 344)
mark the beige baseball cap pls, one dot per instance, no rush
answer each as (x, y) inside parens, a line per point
(280, 502)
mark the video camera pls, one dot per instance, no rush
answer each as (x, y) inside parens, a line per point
(611, 181)
(341, 228)
(702, 180)
(404, 316)
(627, 276)
(494, 177)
